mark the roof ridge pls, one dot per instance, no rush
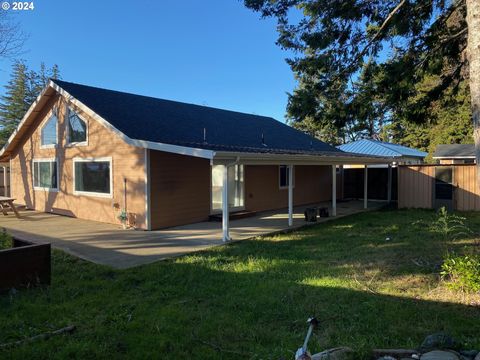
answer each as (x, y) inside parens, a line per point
(380, 143)
(157, 98)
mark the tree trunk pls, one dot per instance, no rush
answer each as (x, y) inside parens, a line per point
(473, 51)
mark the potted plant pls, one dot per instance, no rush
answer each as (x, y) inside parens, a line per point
(123, 217)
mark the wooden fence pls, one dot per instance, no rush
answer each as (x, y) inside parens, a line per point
(416, 184)
(25, 264)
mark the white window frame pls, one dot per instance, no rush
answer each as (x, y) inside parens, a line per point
(234, 208)
(41, 188)
(279, 177)
(92, 193)
(51, 113)
(67, 128)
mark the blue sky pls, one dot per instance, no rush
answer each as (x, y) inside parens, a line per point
(211, 52)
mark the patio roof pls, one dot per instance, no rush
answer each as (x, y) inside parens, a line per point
(318, 158)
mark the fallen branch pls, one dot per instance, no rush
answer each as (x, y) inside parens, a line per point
(66, 330)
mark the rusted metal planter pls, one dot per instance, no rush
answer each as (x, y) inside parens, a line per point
(24, 265)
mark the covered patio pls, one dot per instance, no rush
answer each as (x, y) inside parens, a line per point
(109, 245)
(329, 159)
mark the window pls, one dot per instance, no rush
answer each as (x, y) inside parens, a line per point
(45, 174)
(49, 132)
(93, 176)
(235, 187)
(284, 176)
(77, 129)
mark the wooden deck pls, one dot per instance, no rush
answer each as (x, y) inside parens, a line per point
(110, 245)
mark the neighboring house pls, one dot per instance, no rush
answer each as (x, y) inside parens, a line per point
(92, 153)
(455, 154)
(400, 154)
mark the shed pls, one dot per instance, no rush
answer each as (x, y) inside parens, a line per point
(380, 180)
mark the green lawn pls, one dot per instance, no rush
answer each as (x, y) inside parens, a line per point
(250, 300)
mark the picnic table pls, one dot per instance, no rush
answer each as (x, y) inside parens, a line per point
(6, 203)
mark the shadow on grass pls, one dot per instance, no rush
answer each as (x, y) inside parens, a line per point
(248, 300)
(203, 307)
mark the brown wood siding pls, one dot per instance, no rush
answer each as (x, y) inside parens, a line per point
(466, 192)
(179, 189)
(127, 163)
(415, 187)
(262, 192)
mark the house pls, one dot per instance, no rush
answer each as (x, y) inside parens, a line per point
(380, 180)
(455, 154)
(95, 154)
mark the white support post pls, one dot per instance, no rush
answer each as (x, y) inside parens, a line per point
(10, 172)
(365, 187)
(5, 193)
(334, 190)
(389, 190)
(225, 213)
(290, 195)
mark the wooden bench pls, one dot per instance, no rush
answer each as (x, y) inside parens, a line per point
(6, 203)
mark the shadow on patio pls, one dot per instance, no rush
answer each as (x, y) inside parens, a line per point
(107, 244)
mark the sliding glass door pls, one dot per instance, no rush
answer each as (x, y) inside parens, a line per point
(235, 187)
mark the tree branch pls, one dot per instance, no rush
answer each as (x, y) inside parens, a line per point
(382, 27)
(44, 336)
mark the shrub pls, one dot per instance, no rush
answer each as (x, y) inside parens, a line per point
(5, 240)
(450, 226)
(462, 272)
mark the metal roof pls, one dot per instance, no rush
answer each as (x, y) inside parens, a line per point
(454, 151)
(379, 148)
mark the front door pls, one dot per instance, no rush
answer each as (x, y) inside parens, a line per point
(443, 192)
(235, 187)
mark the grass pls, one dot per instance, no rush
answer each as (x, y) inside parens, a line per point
(5, 240)
(250, 300)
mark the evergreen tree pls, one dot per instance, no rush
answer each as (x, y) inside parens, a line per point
(14, 103)
(21, 91)
(358, 59)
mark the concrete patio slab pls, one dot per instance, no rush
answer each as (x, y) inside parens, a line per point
(110, 245)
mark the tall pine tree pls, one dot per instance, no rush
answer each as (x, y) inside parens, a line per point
(20, 92)
(14, 103)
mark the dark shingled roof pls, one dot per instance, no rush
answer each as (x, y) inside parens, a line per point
(171, 122)
(454, 150)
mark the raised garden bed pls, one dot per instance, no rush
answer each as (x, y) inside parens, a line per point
(25, 264)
